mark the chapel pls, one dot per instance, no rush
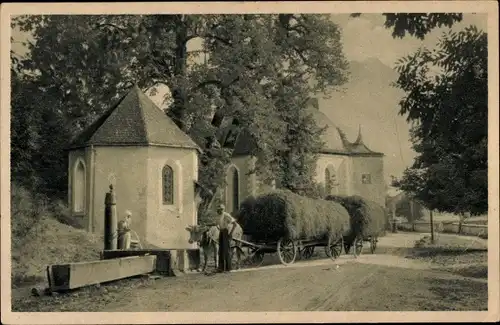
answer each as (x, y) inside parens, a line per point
(151, 163)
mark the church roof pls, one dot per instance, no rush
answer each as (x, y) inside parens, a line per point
(134, 120)
(335, 140)
(359, 147)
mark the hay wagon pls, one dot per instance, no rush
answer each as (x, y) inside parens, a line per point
(290, 225)
(367, 222)
(287, 249)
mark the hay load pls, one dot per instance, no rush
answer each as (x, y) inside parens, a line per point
(282, 213)
(367, 218)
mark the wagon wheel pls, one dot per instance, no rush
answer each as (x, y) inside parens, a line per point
(373, 244)
(287, 251)
(257, 258)
(357, 246)
(308, 252)
(234, 257)
(334, 247)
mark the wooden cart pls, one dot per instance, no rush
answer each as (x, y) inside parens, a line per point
(287, 249)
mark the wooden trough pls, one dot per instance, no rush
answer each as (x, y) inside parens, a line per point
(169, 262)
(76, 275)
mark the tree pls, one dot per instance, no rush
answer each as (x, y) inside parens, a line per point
(251, 61)
(447, 102)
(417, 24)
(38, 135)
(412, 214)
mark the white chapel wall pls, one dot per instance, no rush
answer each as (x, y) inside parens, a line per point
(124, 167)
(167, 222)
(339, 164)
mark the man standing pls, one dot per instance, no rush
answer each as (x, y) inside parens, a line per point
(226, 225)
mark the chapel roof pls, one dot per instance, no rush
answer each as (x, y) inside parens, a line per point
(134, 120)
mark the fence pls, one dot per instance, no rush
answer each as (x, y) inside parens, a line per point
(448, 227)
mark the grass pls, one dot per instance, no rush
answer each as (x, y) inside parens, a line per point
(44, 233)
(459, 255)
(51, 242)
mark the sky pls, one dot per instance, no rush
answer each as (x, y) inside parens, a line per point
(368, 101)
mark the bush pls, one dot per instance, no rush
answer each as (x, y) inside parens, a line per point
(282, 213)
(367, 218)
(314, 191)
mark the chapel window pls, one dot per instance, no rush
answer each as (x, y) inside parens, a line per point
(79, 187)
(168, 185)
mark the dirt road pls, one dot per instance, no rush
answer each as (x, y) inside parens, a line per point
(309, 286)
(380, 282)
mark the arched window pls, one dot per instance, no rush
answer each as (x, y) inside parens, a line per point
(232, 190)
(79, 187)
(168, 185)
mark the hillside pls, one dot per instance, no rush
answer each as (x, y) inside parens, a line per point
(51, 242)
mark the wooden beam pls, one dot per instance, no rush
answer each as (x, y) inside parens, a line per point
(76, 275)
(165, 258)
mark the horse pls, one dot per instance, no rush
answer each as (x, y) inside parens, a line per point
(208, 239)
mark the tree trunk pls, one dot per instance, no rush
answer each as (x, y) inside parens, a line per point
(177, 111)
(432, 226)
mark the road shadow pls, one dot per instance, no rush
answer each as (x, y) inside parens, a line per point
(461, 294)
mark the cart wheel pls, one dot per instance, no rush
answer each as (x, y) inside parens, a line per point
(287, 251)
(334, 247)
(373, 244)
(257, 258)
(234, 257)
(357, 246)
(308, 252)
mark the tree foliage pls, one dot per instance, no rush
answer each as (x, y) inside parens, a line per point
(256, 68)
(405, 209)
(417, 24)
(447, 102)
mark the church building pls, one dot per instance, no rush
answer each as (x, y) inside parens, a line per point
(343, 167)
